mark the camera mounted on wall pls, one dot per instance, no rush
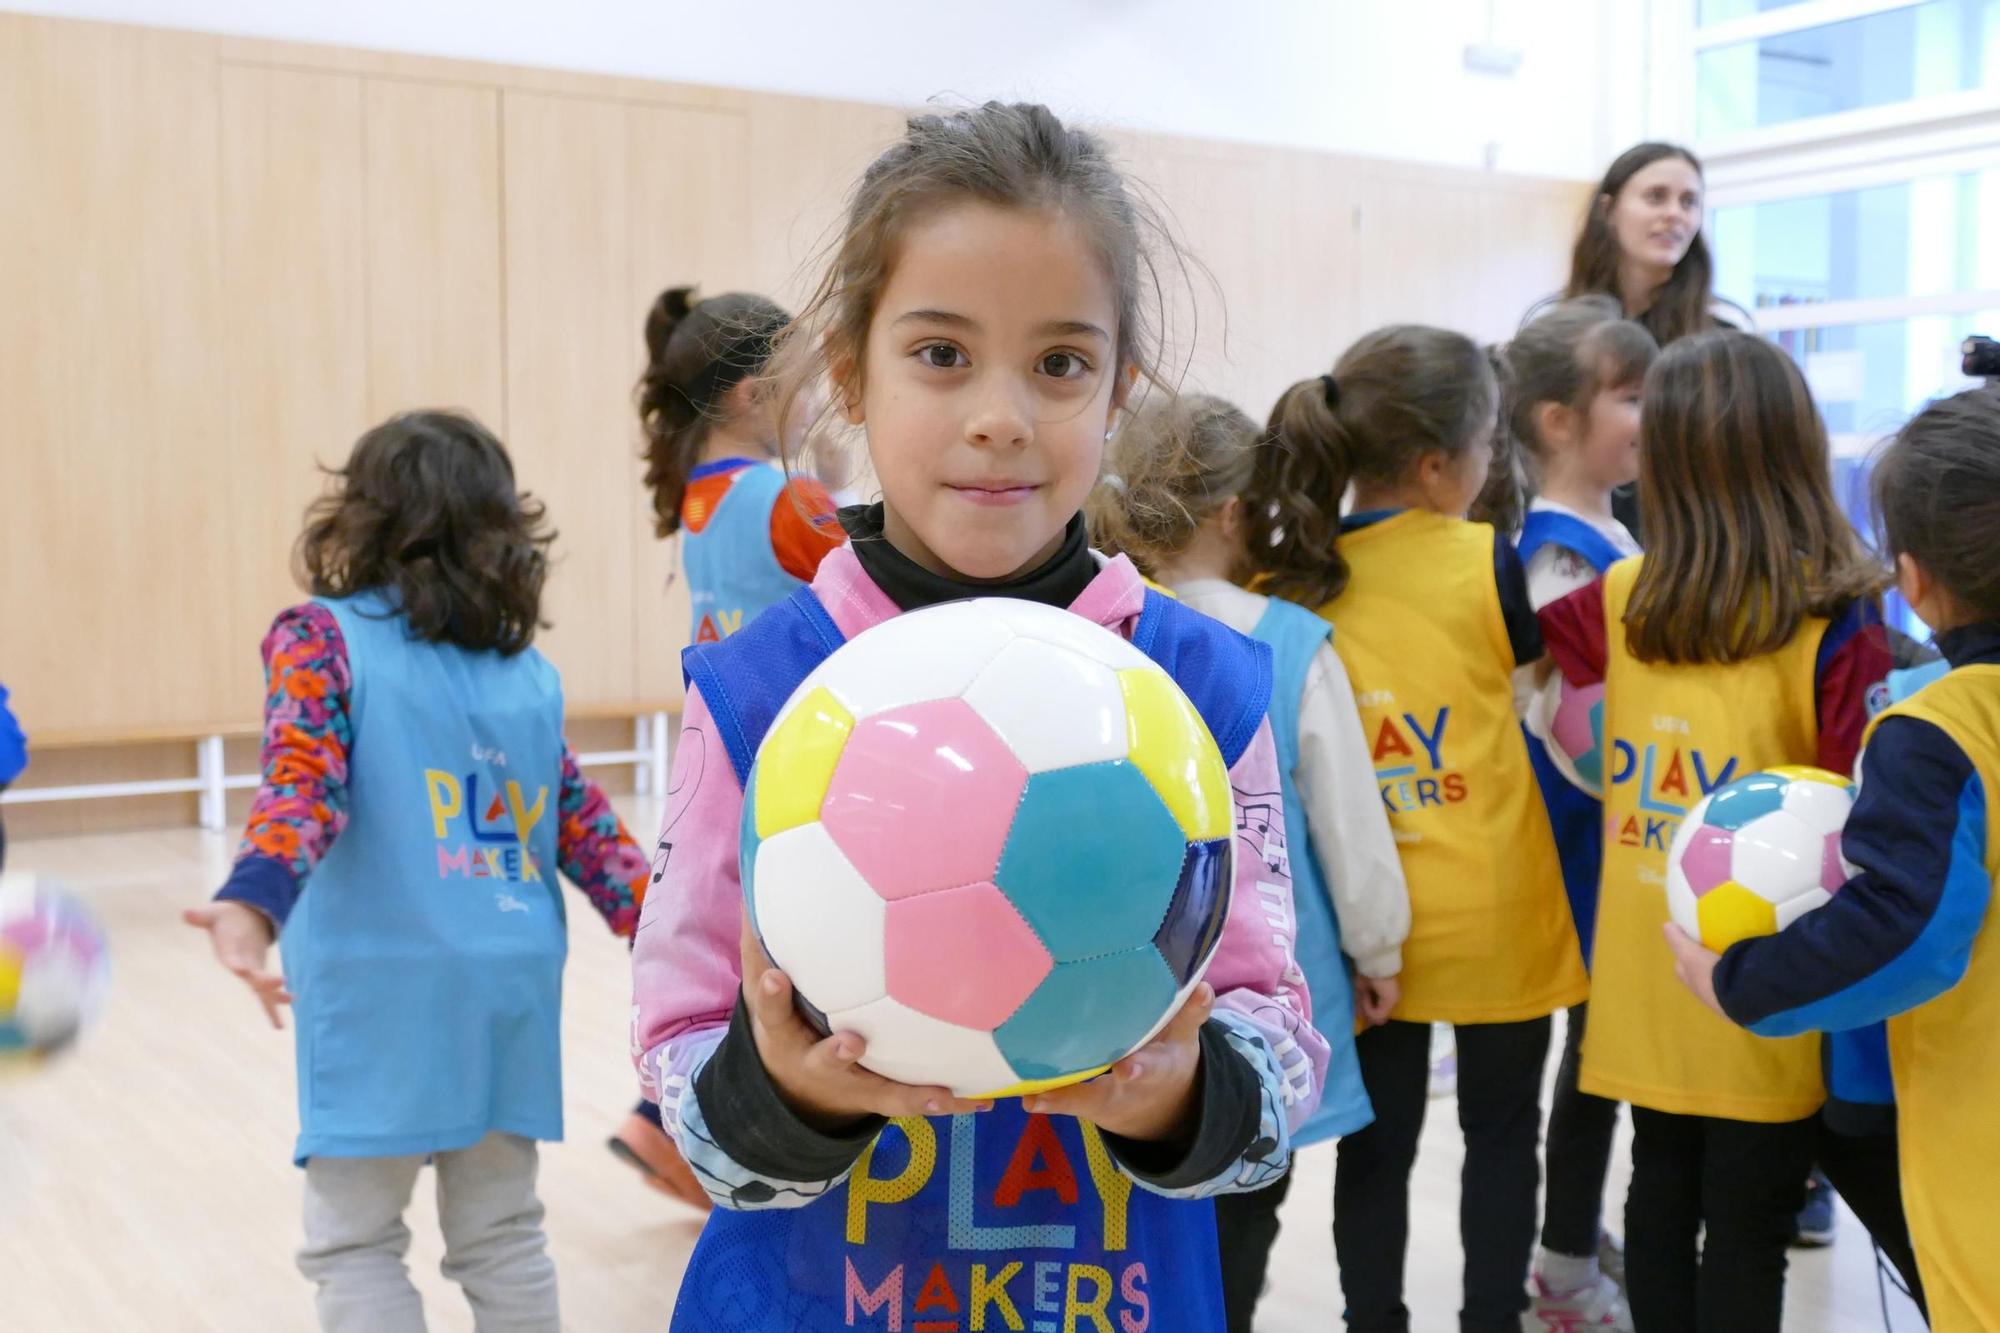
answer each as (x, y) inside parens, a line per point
(1980, 358)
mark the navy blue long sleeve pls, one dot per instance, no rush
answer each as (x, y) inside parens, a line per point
(1901, 931)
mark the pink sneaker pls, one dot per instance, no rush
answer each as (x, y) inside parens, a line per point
(1587, 1309)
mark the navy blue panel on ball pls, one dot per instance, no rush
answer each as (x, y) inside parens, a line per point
(1201, 903)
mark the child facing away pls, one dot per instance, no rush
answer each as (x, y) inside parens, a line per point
(749, 537)
(1174, 503)
(1574, 378)
(1906, 939)
(982, 321)
(1432, 619)
(1747, 637)
(418, 801)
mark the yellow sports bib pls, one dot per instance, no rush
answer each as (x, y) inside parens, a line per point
(1673, 734)
(1422, 636)
(1941, 1056)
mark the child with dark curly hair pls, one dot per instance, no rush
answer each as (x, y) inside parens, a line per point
(415, 770)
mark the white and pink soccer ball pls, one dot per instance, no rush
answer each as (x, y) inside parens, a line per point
(1572, 722)
(992, 839)
(1758, 853)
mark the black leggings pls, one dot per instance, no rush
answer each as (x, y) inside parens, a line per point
(1741, 1181)
(1581, 1129)
(1246, 1226)
(1866, 1172)
(1500, 1112)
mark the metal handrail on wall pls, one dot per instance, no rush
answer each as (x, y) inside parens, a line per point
(212, 782)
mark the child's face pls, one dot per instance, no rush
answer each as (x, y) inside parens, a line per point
(989, 387)
(1610, 443)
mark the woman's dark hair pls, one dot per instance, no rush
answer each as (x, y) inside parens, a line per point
(696, 352)
(1937, 497)
(1394, 396)
(427, 512)
(1744, 538)
(1683, 306)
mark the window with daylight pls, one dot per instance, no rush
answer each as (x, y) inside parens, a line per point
(1853, 155)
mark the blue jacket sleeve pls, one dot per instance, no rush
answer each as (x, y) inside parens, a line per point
(13, 745)
(1900, 932)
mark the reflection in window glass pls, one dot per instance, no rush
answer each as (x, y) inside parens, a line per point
(1720, 11)
(1871, 378)
(1913, 238)
(1942, 46)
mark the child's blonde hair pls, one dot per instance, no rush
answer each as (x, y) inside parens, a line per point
(1015, 155)
(1171, 466)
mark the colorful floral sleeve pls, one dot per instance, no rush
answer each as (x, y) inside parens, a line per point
(301, 805)
(596, 852)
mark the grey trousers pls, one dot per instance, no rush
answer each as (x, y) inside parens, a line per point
(492, 1223)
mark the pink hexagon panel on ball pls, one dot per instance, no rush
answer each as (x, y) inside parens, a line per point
(963, 955)
(1708, 857)
(922, 798)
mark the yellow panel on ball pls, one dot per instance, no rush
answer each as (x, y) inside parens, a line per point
(1172, 747)
(795, 765)
(10, 980)
(1730, 913)
(1807, 773)
(1032, 1087)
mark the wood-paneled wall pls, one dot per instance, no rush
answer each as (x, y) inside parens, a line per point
(224, 258)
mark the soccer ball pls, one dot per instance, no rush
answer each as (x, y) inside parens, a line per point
(1758, 853)
(53, 968)
(993, 840)
(1572, 721)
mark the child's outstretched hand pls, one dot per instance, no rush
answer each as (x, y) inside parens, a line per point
(1153, 1094)
(242, 939)
(1375, 998)
(1694, 964)
(818, 1076)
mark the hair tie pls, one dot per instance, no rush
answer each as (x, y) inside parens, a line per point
(1330, 387)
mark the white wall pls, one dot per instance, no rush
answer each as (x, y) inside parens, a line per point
(1376, 77)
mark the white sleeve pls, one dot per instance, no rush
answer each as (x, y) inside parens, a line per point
(1350, 830)
(1555, 572)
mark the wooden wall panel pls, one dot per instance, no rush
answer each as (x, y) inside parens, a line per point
(111, 551)
(432, 219)
(295, 344)
(572, 352)
(238, 254)
(1458, 249)
(689, 221)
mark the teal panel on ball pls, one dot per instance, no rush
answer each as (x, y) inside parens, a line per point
(1092, 859)
(1737, 803)
(1086, 1015)
(747, 843)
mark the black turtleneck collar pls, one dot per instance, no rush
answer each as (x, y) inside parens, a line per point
(1977, 642)
(1058, 581)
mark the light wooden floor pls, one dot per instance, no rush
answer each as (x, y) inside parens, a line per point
(146, 1183)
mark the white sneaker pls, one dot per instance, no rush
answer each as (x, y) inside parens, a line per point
(1611, 1258)
(1599, 1305)
(1444, 1061)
